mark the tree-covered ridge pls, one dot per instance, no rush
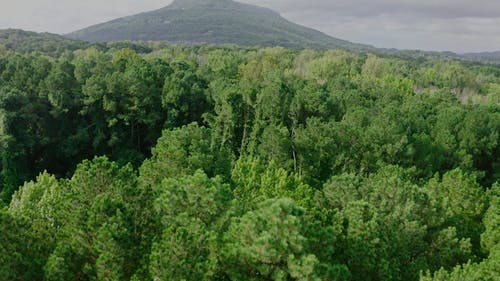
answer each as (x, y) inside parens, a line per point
(484, 56)
(247, 164)
(29, 42)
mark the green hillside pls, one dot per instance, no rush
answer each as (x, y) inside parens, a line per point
(212, 22)
(27, 42)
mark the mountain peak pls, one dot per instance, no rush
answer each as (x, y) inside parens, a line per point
(190, 4)
(227, 5)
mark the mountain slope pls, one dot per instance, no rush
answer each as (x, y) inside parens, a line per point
(212, 22)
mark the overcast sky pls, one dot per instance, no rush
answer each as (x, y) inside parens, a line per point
(456, 25)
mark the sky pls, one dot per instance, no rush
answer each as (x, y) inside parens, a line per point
(437, 25)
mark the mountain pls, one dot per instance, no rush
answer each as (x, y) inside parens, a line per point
(27, 42)
(483, 56)
(212, 22)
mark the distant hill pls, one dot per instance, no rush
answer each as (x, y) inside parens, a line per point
(483, 56)
(21, 41)
(27, 42)
(213, 22)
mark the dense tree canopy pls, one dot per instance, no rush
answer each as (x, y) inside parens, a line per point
(137, 162)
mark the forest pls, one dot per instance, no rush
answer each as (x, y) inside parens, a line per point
(230, 163)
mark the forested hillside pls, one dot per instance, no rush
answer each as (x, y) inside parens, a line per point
(225, 163)
(29, 42)
(213, 22)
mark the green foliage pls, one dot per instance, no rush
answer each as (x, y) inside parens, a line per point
(268, 243)
(182, 151)
(489, 268)
(39, 204)
(184, 252)
(19, 251)
(491, 238)
(183, 95)
(197, 196)
(227, 163)
(463, 202)
(255, 181)
(101, 235)
(393, 229)
(188, 209)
